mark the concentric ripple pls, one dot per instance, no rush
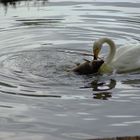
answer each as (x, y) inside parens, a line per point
(38, 70)
(34, 64)
(28, 64)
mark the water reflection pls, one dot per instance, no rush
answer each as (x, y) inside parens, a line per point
(103, 86)
(8, 2)
(15, 2)
(96, 85)
(102, 95)
(102, 89)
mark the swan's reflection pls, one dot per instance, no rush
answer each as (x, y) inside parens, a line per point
(102, 95)
(103, 88)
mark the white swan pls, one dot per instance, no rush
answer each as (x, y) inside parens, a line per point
(123, 59)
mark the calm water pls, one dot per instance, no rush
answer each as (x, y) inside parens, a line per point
(39, 97)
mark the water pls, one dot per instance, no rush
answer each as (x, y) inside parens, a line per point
(39, 97)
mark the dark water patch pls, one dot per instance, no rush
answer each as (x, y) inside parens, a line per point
(7, 85)
(38, 22)
(7, 2)
(5, 106)
(30, 95)
(135, 20)
(17, 2)
(132, 82)
(119, 4)
(102, 95)
(119, 138)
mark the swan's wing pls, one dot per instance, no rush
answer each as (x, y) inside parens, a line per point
(127, 58)
(122, 51)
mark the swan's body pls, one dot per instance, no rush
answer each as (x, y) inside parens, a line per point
(123, 59)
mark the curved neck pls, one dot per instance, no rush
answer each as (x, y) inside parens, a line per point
(112, 49)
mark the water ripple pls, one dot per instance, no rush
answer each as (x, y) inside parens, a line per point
(32, 69)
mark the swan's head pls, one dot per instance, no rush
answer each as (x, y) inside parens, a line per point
(96, 49)
(97, 46)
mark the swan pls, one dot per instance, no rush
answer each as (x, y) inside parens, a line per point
(123, 59)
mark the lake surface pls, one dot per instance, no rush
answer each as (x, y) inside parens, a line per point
(39, 97)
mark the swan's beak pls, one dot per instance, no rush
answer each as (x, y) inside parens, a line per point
(96, 53)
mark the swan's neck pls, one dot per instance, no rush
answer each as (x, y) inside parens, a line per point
(112, 49)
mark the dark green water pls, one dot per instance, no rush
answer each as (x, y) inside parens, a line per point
(39, 97)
